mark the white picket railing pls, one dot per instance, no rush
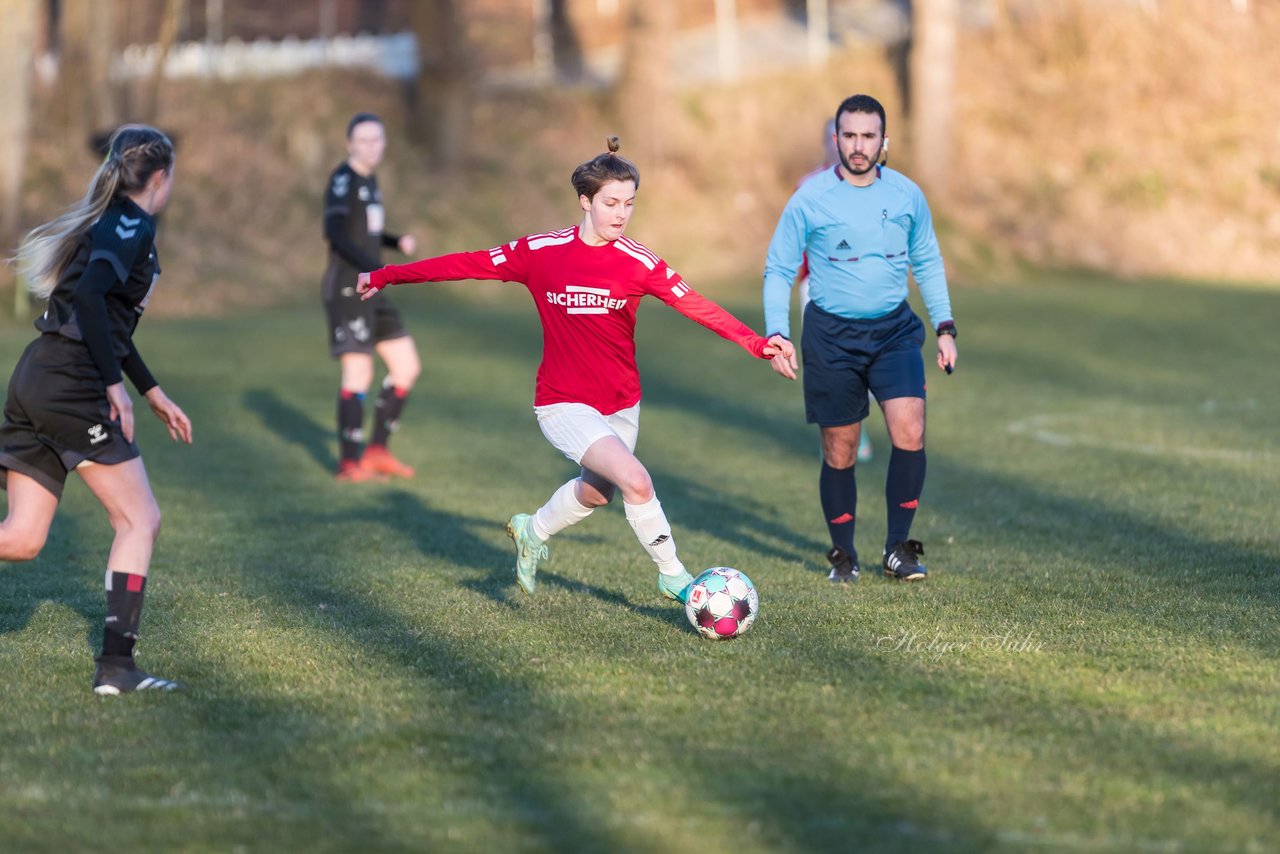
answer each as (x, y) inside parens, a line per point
(394, 56)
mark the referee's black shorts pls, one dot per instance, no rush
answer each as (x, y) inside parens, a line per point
(57, 415)
(845, 358)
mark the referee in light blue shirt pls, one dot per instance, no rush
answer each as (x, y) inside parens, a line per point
(863, 227)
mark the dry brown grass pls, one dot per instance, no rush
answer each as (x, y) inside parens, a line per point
(1142, 144)
(244, 225)
(1138, 144)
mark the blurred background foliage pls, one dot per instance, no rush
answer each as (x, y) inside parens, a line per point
(1140, 138)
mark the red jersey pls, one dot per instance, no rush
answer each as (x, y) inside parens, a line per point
(586, 298)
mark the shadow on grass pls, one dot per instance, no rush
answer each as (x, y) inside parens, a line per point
(478, 732)
(503, 591)
(63, 572)
(1053, 734)
(383, 514)
(802, 801)
(526, 788)
(1145, 553)
(744, 521)
(210, 767)
(835, 804)
(1124, 748)
(797, 806)
(291, 424)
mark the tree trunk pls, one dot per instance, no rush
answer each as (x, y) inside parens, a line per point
(17, 38)
(440, 97)
(643, 92)
(149, 110)
(86, 102)
(104, 98)
(565, 44)
(933, 57)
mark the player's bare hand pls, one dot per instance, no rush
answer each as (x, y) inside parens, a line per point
(782, 356)
(407, 244)
(121, 409)
(365, 288)
(947, 354)
(171, 414)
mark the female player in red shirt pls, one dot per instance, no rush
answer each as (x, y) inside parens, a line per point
(586, 282)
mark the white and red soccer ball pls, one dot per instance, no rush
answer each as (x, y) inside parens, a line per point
(722, 603)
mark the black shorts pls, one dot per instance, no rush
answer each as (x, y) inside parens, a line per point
(844, 359)
(356, 325)
(57, 415)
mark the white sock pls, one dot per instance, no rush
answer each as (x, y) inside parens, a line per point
(561, 510)
(654, 532)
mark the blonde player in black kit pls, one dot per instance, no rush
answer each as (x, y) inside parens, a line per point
(353, 226)
(67, 407)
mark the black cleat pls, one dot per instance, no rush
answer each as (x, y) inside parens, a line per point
(843, 567)
(903, 561)
(117, 674)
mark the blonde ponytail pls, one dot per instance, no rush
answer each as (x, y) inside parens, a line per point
(49, 248)
(134, 153)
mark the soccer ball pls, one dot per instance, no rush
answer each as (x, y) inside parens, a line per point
(722, 603)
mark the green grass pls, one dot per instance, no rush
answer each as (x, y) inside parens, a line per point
(1093, 664)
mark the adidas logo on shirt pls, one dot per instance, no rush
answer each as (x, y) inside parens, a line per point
(843, 244)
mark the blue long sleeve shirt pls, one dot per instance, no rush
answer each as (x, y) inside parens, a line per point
(860, 243)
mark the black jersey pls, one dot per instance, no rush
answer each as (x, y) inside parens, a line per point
(354, 223)
(124, 236)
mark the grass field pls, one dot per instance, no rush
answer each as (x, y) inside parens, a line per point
(1093, 664)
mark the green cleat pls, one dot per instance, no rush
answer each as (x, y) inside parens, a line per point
(675, 586)
(529, 550)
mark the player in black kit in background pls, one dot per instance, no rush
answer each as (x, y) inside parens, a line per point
(353, 226)
(67, 407)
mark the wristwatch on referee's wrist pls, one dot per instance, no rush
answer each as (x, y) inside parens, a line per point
(947, 327)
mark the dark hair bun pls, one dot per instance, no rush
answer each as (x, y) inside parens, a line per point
(614, 144)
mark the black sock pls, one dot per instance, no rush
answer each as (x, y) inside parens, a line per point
(902, 489)
(116, 644)
(386, 417)
(350, 424)
(838, 490)
(124, 612)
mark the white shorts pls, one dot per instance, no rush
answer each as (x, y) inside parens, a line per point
(571, 428)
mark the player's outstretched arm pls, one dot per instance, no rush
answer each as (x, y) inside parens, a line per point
(504, 263)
